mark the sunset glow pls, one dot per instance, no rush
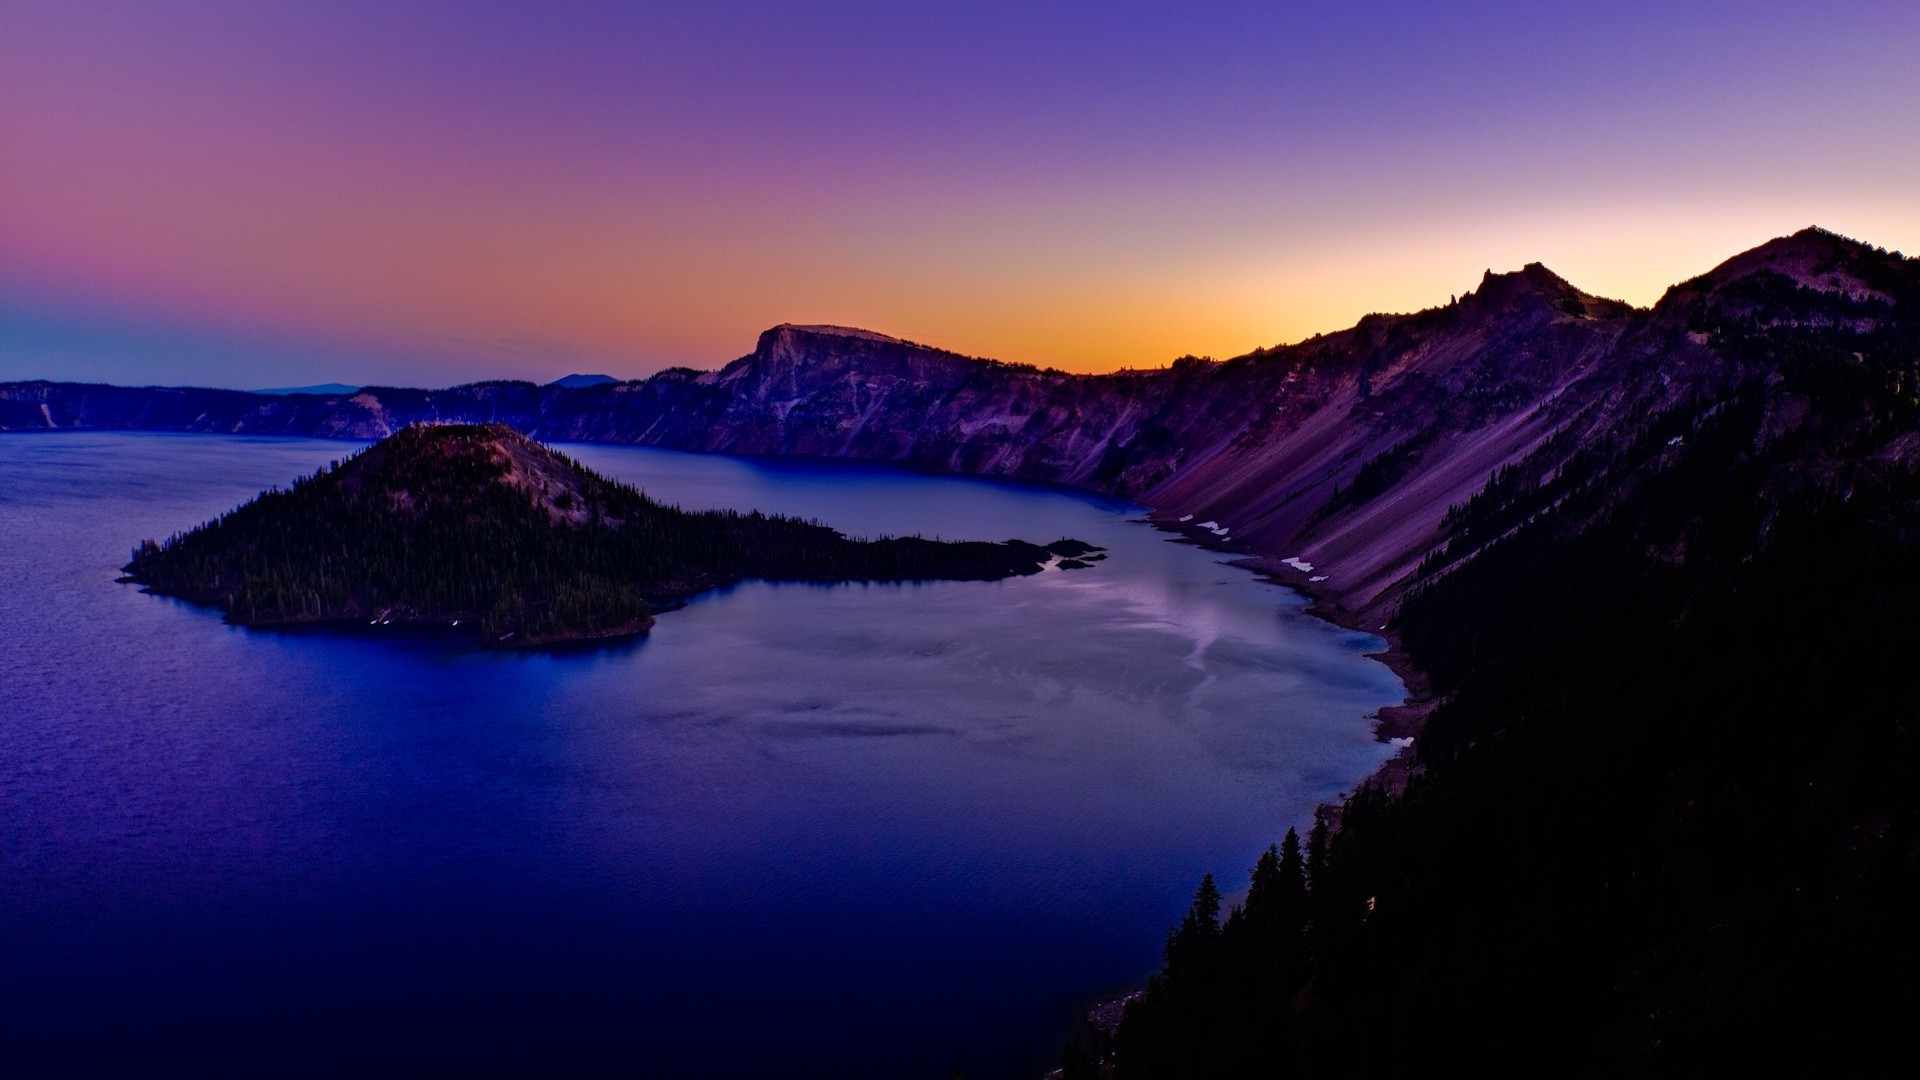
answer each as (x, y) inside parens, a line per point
(242, 194)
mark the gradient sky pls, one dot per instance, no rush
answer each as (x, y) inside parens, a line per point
(252, 193)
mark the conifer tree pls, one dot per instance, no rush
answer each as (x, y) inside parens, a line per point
(1317, 839)
(1263, 895)
(1190, 945)
(1292, 875)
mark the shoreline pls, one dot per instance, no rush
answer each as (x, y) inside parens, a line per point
(673, 599)
(1403, 721)
(1391, 722)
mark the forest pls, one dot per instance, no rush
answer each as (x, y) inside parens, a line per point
(480, 525)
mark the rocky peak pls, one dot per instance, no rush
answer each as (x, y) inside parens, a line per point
(1532, 278)
(1535, 285)
(1813, 258)
(455, 462)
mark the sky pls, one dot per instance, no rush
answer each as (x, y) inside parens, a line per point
(251, 193)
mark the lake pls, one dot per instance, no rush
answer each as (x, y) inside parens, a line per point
(851, 830)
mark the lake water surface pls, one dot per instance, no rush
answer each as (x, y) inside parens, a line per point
(856, 830)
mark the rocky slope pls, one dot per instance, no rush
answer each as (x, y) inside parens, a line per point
(1344, 451)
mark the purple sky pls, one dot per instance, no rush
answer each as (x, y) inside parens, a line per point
(261, 194)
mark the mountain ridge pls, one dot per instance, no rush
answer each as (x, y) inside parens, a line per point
(1654, 819)
(1344, 450)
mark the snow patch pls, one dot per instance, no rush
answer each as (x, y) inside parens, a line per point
(1319, 577)
(1209, 525)
(1401, 743)
(48, 413)
(1298, 563)
(1189, 517)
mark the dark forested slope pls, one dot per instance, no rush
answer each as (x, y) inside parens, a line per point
(481, 525)
(1661, 820)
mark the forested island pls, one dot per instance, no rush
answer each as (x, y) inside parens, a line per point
(477, 525)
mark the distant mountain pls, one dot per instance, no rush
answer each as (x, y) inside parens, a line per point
(478, 524)
(576, 382)
(332, 389)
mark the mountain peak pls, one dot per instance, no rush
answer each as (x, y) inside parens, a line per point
(1815, 234)
(581, 381)
(424, 462)
(1533, 277)
(1813, 258)
(1535, 284)
(1812, 246)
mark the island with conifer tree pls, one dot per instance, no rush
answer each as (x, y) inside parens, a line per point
(477, 525)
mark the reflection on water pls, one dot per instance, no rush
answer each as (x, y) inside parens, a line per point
(859, 830)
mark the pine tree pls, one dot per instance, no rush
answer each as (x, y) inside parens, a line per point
(1190, 945)
(1263, 894)
(1316, 868)
(1291, 887)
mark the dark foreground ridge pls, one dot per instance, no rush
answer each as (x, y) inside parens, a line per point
(1662, 819)
(478, 525)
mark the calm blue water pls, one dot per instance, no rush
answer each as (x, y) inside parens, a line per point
(855, 831)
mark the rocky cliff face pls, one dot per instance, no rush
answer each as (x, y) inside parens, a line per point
(1344, 451)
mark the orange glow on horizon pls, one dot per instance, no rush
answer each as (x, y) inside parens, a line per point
(314, 177)
(635, 299)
